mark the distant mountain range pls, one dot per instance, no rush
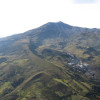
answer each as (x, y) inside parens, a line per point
(55, 61)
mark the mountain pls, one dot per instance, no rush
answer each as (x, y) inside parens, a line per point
(55, 61)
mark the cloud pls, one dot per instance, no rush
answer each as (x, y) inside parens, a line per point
(85, 1)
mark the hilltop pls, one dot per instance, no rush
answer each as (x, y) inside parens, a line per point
(55, 61)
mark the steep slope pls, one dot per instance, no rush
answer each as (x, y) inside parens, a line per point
(35, 65)
(86, 46)
(24, 75)
(83, 42)
(56, 35)
(22, 67)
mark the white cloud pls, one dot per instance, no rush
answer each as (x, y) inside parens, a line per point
(85, 1)
(17, 16)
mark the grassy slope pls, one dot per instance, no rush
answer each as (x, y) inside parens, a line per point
(26, 75)
(85, 45)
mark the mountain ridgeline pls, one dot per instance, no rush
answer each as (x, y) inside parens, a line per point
(55, 61)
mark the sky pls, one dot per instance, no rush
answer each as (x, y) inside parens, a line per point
(18, 16)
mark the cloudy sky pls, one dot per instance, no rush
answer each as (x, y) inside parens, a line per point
(17, 16)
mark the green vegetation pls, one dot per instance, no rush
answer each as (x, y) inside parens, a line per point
(35, 65)
(5, 88)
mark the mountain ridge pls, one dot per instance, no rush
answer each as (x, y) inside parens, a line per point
(55, 61)
(52, 23)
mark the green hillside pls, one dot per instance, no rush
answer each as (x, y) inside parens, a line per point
(45, 64)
